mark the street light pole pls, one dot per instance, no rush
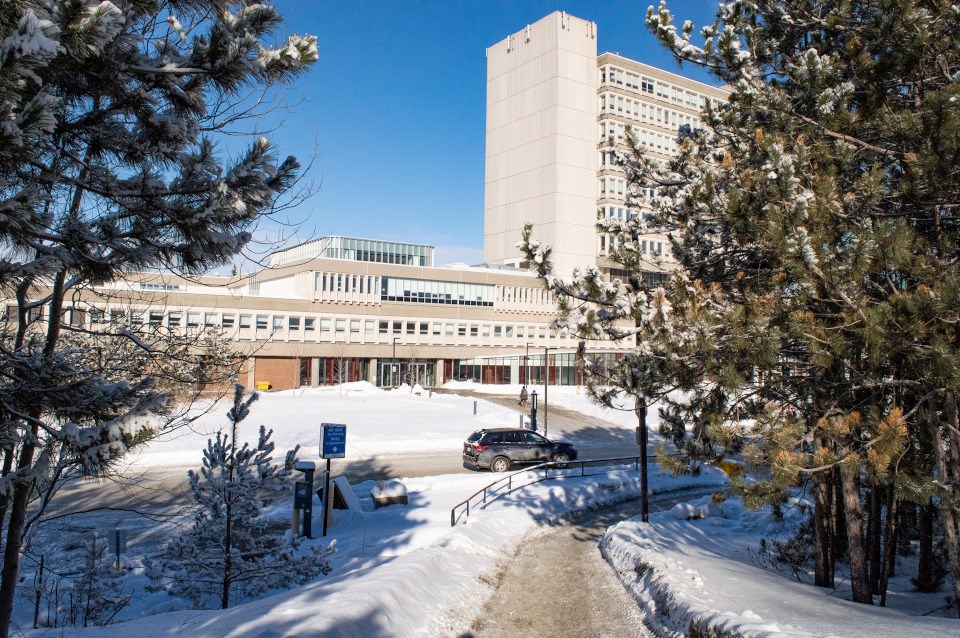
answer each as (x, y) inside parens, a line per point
(641, 411)
(533, 410)
(526, 361)
(395, 366)
(546, 382)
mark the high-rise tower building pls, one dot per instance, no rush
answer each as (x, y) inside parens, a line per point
(555, 110)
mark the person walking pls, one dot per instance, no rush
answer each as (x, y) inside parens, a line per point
(523, 396)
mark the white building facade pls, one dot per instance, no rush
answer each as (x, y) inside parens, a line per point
(555, 111)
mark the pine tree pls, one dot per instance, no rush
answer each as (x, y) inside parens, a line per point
(815, 220)
(108, 117)
(231, 549)
(96, 596)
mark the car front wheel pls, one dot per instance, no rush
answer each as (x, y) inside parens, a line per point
(561, 458)
(500, 464)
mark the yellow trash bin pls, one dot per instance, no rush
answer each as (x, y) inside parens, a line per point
(263, 385)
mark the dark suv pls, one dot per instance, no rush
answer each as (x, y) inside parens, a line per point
(499, 448)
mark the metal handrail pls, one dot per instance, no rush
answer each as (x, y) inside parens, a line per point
(491, 497)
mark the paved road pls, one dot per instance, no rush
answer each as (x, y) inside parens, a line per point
(558, 584)
(165, 487)
(596, 438)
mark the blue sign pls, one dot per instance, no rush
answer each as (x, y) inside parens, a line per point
(333, 440)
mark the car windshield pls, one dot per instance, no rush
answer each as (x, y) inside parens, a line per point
(473, 438)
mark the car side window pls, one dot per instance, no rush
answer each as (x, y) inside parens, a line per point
(494, 438)
(534, 439)
(511, 437)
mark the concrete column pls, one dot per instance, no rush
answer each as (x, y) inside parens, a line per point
(372, 371)
(314, 371)
(438, 373)
(251, 373)
(515, 370)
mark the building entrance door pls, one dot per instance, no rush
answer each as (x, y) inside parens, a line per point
(418, 374)
(393, 374)
(389, 375)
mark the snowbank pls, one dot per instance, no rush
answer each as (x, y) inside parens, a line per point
(695, 571)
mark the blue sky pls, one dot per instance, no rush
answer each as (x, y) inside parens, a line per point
(393, 112)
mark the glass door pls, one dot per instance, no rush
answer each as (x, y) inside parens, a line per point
(389, 375)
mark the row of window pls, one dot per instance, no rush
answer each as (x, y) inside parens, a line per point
(307, 324)
(647, 246)
(336, 282)
(612, 186)
(436, 328)
(657, 88)
(424, 290)
(650, 140)
(616, 132)
(386, 252)
(154, 286)
(615, 186)
(436, 292)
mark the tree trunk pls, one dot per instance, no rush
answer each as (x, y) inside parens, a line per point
(890, 544)
(823, 529)
(874, 544)
(853, 512)
(8, 454)
(839, 518)
(22, 486)
(11, 553)
(944, 471)
(228, 559)
(228, 521)
(924, 580)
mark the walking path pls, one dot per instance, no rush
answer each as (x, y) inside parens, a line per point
(558, 584)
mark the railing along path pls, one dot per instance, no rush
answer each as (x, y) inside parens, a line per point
(494, 491)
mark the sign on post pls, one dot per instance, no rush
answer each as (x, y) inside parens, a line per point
(333, 445)
(333, 440)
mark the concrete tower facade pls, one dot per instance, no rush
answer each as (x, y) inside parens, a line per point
(541, 141)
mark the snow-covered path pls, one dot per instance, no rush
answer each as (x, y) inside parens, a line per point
(558, 584)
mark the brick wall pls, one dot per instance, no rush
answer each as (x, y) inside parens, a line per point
(283, 373)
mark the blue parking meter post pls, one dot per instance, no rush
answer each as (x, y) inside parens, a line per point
(333, 445)
(303, 495)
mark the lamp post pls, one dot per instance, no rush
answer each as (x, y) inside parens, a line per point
(533, 410)
(641, 411)
(546, 383)
(526, 363)
(395, 366)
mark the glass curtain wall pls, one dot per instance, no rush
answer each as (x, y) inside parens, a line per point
(561, 368)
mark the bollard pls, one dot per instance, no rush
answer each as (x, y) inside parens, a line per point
(521, 421)
(474, 408)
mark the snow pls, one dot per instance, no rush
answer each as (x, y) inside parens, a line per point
(389, 489)
(379, 422)
(698, 565)
(403, 570)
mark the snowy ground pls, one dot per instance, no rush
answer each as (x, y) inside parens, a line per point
(403, 571)
(379, 422)
(704, 571)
